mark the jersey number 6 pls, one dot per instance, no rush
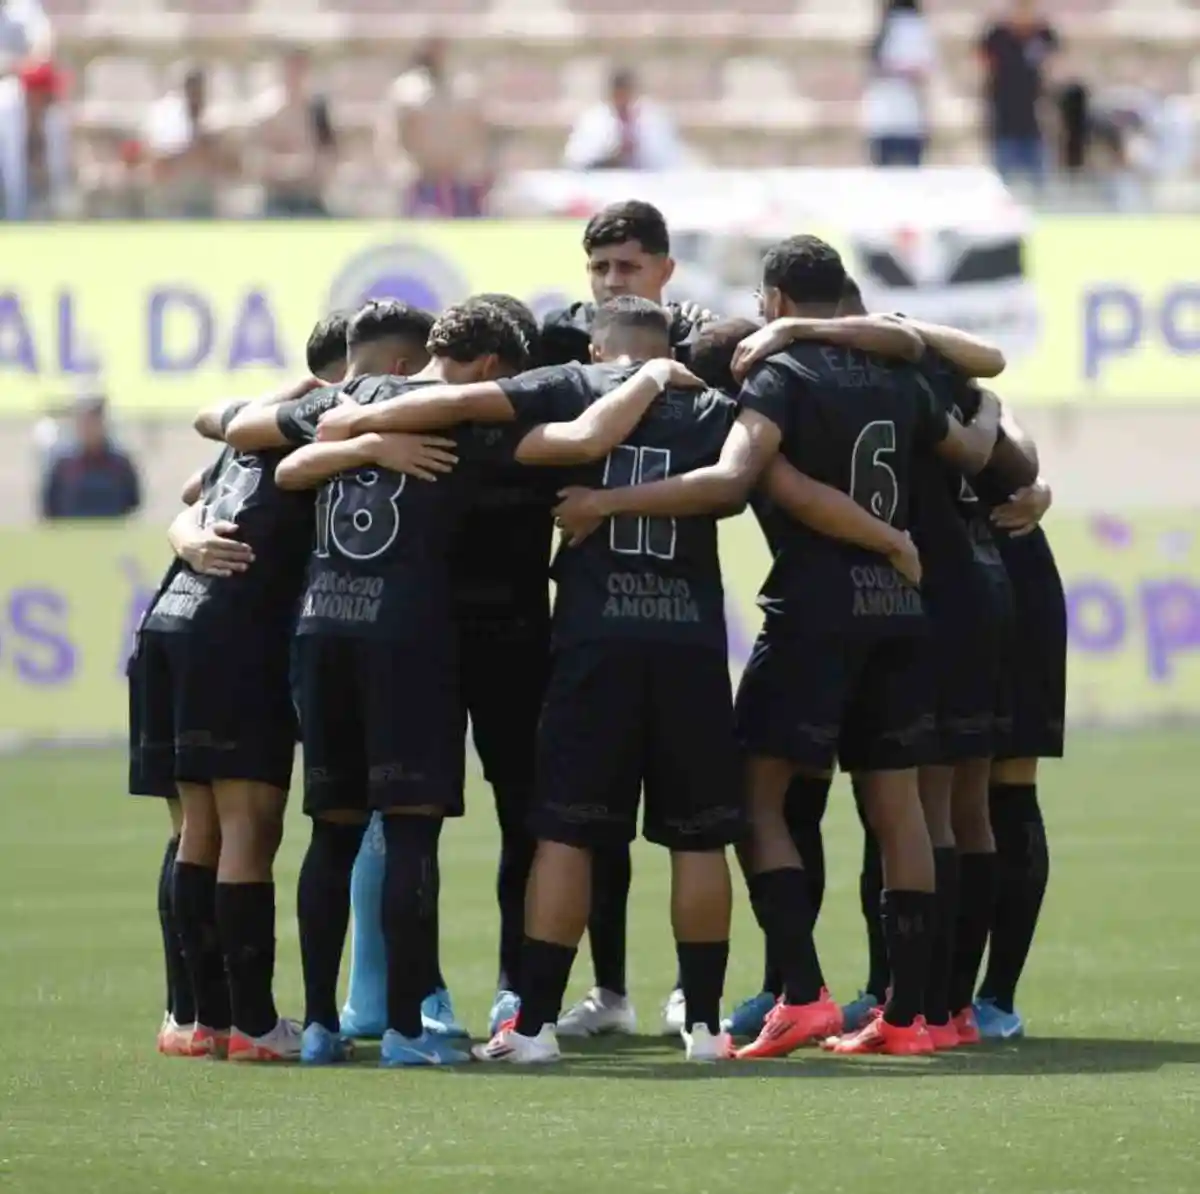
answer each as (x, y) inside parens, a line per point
(873, 482)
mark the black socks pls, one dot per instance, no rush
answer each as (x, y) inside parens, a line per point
(180, 1002)
(194, 898)
(908, 925)
(976, 906)
(611, 877)
(545, 970)
(517, 847)
(246, 923)
(411, 880)
(702, 968)
(323, 910)
(941, 960)
(870, 893)
(1023, 863)
(780, 900)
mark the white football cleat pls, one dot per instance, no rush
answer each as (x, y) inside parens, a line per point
(282, 1043)
(701, 1045)
(508, 1045)
(598, 1013)
(674, 1014)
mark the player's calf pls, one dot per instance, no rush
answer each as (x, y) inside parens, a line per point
(936, 785)
(977, 868)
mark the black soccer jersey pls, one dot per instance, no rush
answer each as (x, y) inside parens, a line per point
(649, 578)
(240, 488)
(380, 563)
(567, 334)
(852, 421)
(297, 420)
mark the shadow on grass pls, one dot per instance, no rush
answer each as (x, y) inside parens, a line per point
(650, 1058)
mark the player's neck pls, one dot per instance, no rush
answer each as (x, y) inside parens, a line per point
(811, 310)
(434, 371)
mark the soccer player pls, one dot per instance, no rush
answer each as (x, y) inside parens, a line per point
(381, 714)
(835, 673)
(208, 550)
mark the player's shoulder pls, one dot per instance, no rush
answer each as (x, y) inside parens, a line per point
(566, 333)
(577, 317)
(602, 377)
(380, 387)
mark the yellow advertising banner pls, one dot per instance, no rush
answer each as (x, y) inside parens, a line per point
(71, 597)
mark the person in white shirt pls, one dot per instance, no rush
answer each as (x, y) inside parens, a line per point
(25, 37)
(181, 146)
(625, 132)
(903, 56)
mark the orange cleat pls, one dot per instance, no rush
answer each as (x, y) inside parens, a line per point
(282, 1043)
(968, 1028)
(789, 1026)
(175, 1039)
(944, 1036)
(208, 1042)
(881, 1037)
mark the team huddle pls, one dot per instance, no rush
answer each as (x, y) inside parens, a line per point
(365, 567)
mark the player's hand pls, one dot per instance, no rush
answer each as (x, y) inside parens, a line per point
(337, 423)
(694, 313)
(215, 552)
(421, 456)
(673, 375)
(905, 558)
(766, 342)
(578, 513)
(1024, 510)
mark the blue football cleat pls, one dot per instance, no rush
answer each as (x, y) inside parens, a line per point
(437, 1015)
(427, 1049)
(368, 1027)
(748, 1016)
(995, 1024)
(505, 1008)
(856, 1013)
(319, 1046)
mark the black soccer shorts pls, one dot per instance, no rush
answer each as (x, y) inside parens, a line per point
(380, 724)
(622, 716)
(211, 709)
(1037, 662)
(860, 701)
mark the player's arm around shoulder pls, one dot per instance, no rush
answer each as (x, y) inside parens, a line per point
(866, 333)
(275, 420)
(971, 355)
(969, 447)
(424, 457)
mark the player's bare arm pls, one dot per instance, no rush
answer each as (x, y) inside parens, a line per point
(606, 423)
(836, 515)
(973, 356)
(867, 333)
(192, 488)
(255, 427)
(720, 488)
(423, 457)
(970, 447)
(1024, 511)
(432, 408)
(1015, 456)
(212, 550)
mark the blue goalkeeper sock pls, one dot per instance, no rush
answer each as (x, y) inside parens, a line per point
(365, 1013)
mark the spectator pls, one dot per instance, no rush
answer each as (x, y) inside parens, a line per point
(437, 120)
(291, 142)
(895, 103)
(25, 40)
(89, 476)
(48, 139)
(625, 132)
(184, 150)
(1016, 52)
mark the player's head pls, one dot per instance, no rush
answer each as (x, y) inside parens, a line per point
(802, 275)
(851, 302)
(326, 348)
(630, 328)
(521, 315)
(629, 251)
(477, 342)
(387, 336)
(711, 357)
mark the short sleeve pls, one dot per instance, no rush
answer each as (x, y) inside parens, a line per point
(765, 391)
(552, 394)
(932, 420)
(297, 420)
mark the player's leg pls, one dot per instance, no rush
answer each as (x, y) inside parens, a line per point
(179, 1019)
(789, 706)
(589, 761)
(884, 736)
(365, 1010)
(612, 876)
(935, 785)
(335, 799)
(870, 895)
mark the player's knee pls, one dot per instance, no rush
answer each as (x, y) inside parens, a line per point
(701, 889)
(1014, 771)
(175, 812)
(200, 831)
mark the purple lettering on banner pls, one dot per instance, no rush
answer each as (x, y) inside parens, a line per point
(1181, 319)
(255, 339)
(1171, 611)
(163, 303)
(43, 653)
(73, 353)
(1112, 326)
(1096, 618)
(16, 343)
(739, 640)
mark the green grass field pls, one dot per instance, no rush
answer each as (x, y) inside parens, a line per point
(1104, 1097)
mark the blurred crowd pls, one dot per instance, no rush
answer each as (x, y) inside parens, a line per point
(85, 130)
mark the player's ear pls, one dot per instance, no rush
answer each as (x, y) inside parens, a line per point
(668, 269)
(593, 352)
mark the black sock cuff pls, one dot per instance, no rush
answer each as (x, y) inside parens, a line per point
(907, 903)
(340, 840)
(808, 797)
(1014, 803)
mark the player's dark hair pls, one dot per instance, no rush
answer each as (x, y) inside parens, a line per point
(851, 302)
(711, 355)
(469, 331)
(628, 311)
(521, 315)
(327, 342)
(388, 319)
(632, 220)
(805, 269)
